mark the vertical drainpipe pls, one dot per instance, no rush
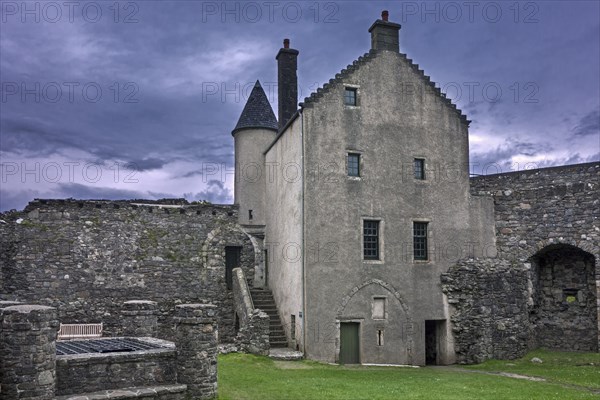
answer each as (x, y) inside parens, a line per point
(303, 232)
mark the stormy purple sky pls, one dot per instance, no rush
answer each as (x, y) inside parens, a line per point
(137, 99)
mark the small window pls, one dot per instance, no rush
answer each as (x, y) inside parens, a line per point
(419, 168)
(378, 310)
(350, 96)
(250, 216)
(420, 240)
(371, 240)
(380, 337)
(353, 164)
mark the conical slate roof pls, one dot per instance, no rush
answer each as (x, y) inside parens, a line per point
(257, 112)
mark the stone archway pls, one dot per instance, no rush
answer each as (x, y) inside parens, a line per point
(564, 314)
(213, 256)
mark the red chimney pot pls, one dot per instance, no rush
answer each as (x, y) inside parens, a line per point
(384, 15)
(286, 43)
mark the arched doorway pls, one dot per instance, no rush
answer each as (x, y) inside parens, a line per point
(565, 313)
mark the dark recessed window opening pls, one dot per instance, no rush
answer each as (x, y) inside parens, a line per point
(250, 214)
(353, 164)
(350, 96)
(419, 168)
(570, 295)
(371, 240)
(380, 337)
(420, 240)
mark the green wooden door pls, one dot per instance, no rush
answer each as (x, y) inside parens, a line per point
(349, 344)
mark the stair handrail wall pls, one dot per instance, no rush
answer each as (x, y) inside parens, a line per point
(254, 324)
(241, 296)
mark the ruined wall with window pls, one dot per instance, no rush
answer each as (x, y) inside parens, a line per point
(548, 228)
(87, 257)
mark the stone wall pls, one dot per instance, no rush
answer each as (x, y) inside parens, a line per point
(548, 209)
(28, 352)
(88, 257)
(91, 372)
(541, 207)
(489, 300)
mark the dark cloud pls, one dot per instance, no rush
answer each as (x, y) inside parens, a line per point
(146, 164)
(154, 74)
(192, 173)
(588, 125)
(500, 159)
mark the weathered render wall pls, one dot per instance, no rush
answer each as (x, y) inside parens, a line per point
(399, 117)
(88, 257)
(251, 174)
(283, 239)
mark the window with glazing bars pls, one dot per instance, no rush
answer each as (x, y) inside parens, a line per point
(371, 240)
(419, 168)
(353, 164)
(350, 96)
(420, 240)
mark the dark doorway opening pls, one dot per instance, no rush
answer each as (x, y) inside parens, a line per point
(349, 343)
(236, 323)
(266, 268)
(432, 346)
(233, 255)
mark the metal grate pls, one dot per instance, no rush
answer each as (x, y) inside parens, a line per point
(102, 346)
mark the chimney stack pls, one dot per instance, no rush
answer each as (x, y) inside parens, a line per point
(287, 82)
(384, 34)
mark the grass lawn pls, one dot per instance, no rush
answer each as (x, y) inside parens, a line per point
(570, 368)
(247, 377)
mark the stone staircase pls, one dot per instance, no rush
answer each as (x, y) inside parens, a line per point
(263, 300)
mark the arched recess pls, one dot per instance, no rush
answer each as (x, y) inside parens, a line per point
(397, 327)
(564, 314)
(213, 255)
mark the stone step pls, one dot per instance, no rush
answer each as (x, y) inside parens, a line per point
(167, 392)
(263, 300)
(285, 354)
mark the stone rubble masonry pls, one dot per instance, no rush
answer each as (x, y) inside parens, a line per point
(535, 209)
(488, 301)
(196, 336)
(28, 352)
(254, 324)
(90, 372)
(87, 257)
(169, 392)
(492, 301)
(140, 318)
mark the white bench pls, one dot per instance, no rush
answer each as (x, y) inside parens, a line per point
(79, 331)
